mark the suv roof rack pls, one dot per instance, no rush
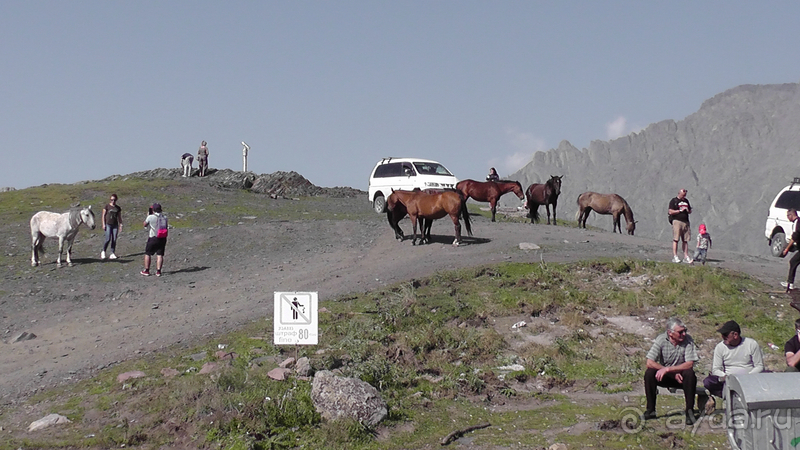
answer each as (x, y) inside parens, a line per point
(795, 180)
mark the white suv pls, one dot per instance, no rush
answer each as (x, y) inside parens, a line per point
(406, 174)
(778, 226)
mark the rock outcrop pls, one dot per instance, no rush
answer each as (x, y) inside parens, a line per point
(338, 397)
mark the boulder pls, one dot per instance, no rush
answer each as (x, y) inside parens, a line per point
(339, 397)
(279, 373)
(303, 367)
(230, 179)
(285, 184)
(168, 372)
(123, 377)
(46, 421)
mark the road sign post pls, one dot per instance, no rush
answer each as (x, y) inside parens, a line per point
(295, 318)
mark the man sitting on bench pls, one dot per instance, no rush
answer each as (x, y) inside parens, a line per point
(734, 355)
(670, 364)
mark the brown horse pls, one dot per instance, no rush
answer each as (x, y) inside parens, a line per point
(427, 207)
(605, 204)
(489, 191)
(543, 194)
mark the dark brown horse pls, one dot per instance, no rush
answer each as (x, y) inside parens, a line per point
(544, 194)
(605, 204)
(489, 191)
(427, 207)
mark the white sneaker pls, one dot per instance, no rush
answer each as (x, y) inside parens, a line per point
(675, 259)
(687, 260)
(112, 256)
(787, 284)
(103, 254)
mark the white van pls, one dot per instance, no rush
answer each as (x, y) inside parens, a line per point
(779, 229)
(406, 174)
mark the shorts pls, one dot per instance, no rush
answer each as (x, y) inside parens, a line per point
(680, 230)
(155, 246)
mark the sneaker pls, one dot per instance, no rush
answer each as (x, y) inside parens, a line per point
(687, 260)
(112, 256)
(103, 254)
(145, 273)
(690, 418)
(787, 285)
(158, 273)
(648, 415)
(675, 259)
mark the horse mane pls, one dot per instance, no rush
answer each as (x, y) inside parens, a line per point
(627, 211)
(74, 218)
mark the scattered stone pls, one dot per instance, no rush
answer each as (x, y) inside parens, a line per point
(512, 368)
(48, 420)
(197, 356)
(607, 425)
(123, 377)
(519, 324)
(558, 446)
(261, 360)
(169, 372)
(221, 354)
(339, 397)
(24, 336)
(208, 368)
(279, 373)
(303, 367)
(528, 246)
(288, 362)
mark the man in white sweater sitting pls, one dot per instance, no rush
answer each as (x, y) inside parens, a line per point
(734, 355)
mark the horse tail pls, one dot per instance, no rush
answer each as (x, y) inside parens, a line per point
(465, 215)
(580, 208)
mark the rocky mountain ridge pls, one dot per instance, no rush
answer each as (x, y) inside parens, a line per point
(277, 184)
(733, 155)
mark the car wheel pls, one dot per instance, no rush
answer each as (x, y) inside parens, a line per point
(379, 204)
(778, 244)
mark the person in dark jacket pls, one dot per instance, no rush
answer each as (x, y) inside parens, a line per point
(795, 261)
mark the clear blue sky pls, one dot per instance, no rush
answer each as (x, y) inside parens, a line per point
(326, 88)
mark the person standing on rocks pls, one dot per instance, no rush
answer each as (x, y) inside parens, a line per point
(670, 364)
(157, 225)
(202, 158)
(679, 210)
(112, 225)
(795, 261)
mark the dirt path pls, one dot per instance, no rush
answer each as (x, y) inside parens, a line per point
(100, 312)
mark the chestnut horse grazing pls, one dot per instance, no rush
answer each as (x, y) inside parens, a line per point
(605, 204)
(427, 208)
(489, 191)
(544, 194)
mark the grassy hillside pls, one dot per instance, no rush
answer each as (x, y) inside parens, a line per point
(441, 351)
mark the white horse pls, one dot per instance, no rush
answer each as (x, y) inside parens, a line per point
(46, 224)
(186, 164)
